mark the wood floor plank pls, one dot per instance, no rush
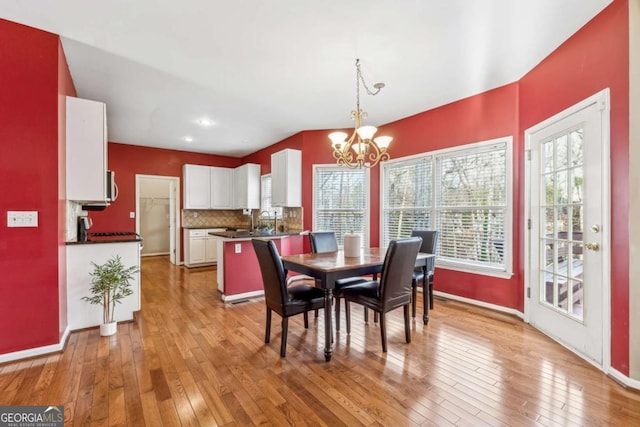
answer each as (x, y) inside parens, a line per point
(190, 359)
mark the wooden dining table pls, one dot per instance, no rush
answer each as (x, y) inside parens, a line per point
(328, 267)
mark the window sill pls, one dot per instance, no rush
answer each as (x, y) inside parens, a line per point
(481, 271)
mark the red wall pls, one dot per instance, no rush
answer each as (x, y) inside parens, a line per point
(129, 160)
(29, 170)
(595, 58)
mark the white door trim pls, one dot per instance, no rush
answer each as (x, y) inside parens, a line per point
(176, 225)
(602, 99)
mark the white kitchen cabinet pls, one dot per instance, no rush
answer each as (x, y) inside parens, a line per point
(286, 178)
(200, 248)
(246, 182)
(80, 313)
(197, 186)
(86, 150)
(221, 188)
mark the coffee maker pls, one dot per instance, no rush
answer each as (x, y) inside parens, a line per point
(84, 224)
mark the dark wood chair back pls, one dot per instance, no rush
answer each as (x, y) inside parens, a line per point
(429, 245)
(323, 241)
(273, 274)
(397, 271)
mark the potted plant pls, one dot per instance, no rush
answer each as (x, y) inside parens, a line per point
(110, 283)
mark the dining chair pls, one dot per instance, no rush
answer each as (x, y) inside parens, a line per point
(392, 291)
(286, 301)
(326, 241)
(429, 243)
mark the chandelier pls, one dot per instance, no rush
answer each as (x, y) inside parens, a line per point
(361, 149)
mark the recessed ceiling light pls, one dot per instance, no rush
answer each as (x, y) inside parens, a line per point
(188, 139)
(205, 122)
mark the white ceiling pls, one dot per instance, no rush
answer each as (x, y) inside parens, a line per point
(265, 70)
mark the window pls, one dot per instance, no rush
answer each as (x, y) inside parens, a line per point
(465, 193)
(340, 201)
(265, 196)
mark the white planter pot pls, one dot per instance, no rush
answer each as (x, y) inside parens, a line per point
(108, 329)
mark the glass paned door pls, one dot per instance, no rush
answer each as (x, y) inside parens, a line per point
(567, 248)
(562, 219)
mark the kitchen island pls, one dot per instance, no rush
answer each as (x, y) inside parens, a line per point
(239, 274)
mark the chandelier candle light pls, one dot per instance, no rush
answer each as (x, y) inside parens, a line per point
(368, 151)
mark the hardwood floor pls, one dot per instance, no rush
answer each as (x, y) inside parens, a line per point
(192, 360)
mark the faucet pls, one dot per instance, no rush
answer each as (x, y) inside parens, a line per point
(260, 217)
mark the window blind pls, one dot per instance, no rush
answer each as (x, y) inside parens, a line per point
(471, 205)
(407, 198)
(265, 197)
(340, 201)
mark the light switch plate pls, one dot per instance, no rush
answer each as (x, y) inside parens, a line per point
(238, 248)
(132, 214)
(22, 218)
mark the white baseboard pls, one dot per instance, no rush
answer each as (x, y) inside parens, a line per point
(480, 304)
(154, 254)
(619, 376)
(39, 351)
(253, 294)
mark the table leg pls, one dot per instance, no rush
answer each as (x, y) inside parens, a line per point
(425, 296)
(328, 328)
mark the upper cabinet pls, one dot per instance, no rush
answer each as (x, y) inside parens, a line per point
(246, 181)
(210, 187)
(86, 150)
(197, 186)
(286, 178)
(221, 188)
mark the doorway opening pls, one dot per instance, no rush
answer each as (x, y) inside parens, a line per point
(158, 215)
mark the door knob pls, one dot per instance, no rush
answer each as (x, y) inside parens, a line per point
(592, 246)
(595, 228)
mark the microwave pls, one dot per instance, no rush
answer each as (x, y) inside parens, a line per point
(111, 193)
(112, 188)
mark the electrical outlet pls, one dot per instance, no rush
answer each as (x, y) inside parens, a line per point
(132, 214)
(238, 248)
(22, 218)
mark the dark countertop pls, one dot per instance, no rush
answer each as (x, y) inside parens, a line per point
(114, 239)
(247, 235)
(203, 227)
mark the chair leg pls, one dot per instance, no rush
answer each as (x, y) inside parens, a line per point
(383, 332)
(366, 315)
(306, 319)
(267, 333)
(347, 315)
(407, 326)
(431, 293)
(283, 342)
(375, 317)
(316, 313)
(337, 313)
(414, 297)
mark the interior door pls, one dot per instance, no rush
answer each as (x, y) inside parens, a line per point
(568, 244)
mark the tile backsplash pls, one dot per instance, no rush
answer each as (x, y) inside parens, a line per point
(291, 221)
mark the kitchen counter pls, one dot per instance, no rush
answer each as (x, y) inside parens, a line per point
(110, 239)
(247, 235)
(203, 227)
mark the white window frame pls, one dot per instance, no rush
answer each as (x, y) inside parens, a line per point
(263, 196)
(469, 267)
(367, 197)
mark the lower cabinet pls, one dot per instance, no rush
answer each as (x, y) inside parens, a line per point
(200, 248)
